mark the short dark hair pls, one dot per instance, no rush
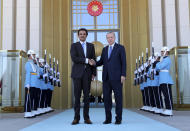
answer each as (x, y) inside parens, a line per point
(83, 29)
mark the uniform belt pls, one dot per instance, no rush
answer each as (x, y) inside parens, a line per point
(33, 73)
(164, 70)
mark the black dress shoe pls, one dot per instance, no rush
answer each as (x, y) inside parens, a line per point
(75, 121)
(117, 122)
(106, 122)
(88, 121)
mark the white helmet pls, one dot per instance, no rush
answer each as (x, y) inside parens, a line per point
(41, 60)
(31, 52)
(37, 55)
(165, 48)
(157, 54)
(150, 58)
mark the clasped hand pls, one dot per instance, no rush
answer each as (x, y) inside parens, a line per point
(91, 62)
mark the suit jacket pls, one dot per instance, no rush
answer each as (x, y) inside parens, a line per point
(78, 58)
(115, 66)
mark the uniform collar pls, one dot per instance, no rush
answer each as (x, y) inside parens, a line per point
(165, 56)
(30, 60)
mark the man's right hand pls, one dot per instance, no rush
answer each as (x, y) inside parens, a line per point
(91, 62)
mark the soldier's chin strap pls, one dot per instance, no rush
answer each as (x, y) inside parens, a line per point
(32, 57)
(165, 52)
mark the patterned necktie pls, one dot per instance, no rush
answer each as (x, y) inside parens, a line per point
(109, 53)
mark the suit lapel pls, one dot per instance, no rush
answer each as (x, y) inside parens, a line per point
(87, 50)
(114, 50)
(107, 52)
(80, 48)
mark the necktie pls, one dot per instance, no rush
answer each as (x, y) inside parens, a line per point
(83, 46)
(109, 53)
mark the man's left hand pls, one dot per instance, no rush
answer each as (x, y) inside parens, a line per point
(93, 77)
(122, 79)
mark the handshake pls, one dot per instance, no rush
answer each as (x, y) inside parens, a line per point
(91, 62)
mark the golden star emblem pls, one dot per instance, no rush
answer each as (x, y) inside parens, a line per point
(95, 8)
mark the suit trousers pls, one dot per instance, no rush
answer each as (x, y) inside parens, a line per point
(143, 97)
(82, 84)
(167, 92)
(36, 98)
(29, 99)
(49, 97)
(116, 86)
(151, 97)
(147, 98)
(158, 99)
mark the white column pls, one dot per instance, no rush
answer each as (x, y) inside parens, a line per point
(170, 19)
(7, 25)
(157, 38)
(21, 25)
(184, 23)
(35, 25)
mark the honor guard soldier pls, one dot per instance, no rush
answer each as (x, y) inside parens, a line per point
(158, 99)
(151, 84)
(155, 85)
(49, 96)
(142, 83)
(143, 96)
(38, 87)
(147, 88)
(165, 81)
(42, 88)
(31, 82)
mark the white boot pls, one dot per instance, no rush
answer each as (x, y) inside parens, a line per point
(28, 115)
(40, 110)
(161, 111)
(50, 109)
(153, 109)
(34, 112)
(146, 108)
(142, 108)
(46, 110)
(158, 111)
(168, 112)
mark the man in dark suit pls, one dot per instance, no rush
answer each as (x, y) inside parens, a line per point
(82, 74)
(113, 59)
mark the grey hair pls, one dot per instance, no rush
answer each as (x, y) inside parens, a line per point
(111, 32)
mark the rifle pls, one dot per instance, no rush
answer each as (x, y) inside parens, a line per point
(136, 73)
(45, 76)
(50, 71)
(152, 62)
(142, 70)
(145, 73)
(139, 71)
(58, 75)
(54, 73)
